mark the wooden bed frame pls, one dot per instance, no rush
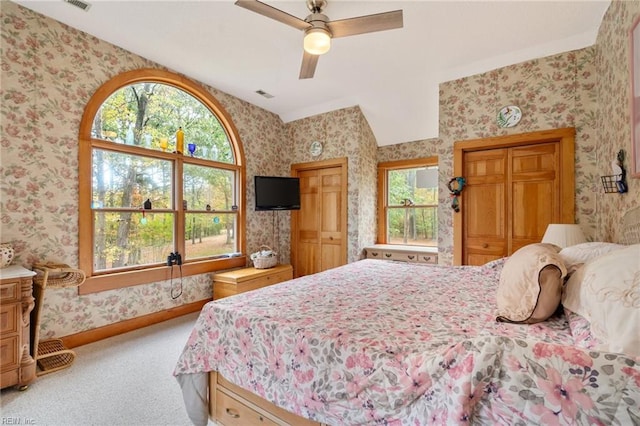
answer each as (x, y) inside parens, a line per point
(231, 405)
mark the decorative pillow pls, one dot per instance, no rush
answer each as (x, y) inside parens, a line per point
(531, 284)
(572, 256)
(606, 291)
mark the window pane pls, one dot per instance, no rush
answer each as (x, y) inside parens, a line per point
(419, 186)
(413, 226)
(149, 114)
(127, 181)
(125, 239)
(210, 234)
(207, 186)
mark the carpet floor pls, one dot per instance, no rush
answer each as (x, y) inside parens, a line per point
(122, 380)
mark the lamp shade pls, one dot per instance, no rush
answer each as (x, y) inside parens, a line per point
(563, 235)
(317, 41)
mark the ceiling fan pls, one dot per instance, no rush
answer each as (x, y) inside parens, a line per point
(319, 30)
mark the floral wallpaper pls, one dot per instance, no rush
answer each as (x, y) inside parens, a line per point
(49, 72)
(613, 90)
(552, 92)
(344, 133)
(587, 89)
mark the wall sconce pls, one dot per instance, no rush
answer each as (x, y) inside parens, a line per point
(617, 182)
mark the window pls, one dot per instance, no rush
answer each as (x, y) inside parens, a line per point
(408, 202)
(161, 172)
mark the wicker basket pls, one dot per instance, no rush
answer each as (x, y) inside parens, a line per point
(265, 258)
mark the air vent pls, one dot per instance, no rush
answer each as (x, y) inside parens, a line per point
(79, 4)
(265, 94)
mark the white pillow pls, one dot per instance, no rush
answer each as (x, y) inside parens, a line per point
(584, 252)
(606, 291)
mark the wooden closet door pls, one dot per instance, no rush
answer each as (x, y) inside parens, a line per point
(306, 227)
(512, 194)
(485, 206)
(534, 193)
(516, 186)
(319, 228)
(331, 222)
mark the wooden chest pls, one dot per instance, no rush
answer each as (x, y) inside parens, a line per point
(247, 279)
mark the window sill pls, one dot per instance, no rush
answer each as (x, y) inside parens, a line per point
(401, 247)
(119, 280)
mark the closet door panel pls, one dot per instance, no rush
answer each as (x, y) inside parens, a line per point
(534, 193)
(485, 206)
(331, 219)
(319, 228)
(307, 232)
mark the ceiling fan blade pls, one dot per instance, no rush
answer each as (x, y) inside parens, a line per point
(308, 67)
(273, 13)
(366, 24)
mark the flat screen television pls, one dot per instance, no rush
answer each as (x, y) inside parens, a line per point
(277, 193)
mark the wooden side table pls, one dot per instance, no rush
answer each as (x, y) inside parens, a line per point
(247, 279)
(16, 303)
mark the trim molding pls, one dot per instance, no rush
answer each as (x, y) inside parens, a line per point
(95, 334)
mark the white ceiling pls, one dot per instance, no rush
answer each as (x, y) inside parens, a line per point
(392, 75)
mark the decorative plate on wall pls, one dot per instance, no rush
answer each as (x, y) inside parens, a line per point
(509, 116)
(315, 148)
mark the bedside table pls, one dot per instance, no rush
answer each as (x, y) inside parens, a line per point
(247, 279)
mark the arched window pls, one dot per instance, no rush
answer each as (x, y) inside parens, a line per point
(161, 173)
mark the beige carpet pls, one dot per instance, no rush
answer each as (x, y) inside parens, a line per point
(123, 380)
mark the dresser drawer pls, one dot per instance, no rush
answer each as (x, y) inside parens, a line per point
(9, 354)
(9, 315)
(400, 256)
(231, 412)
(264, 281)
(10, 291)
(428, 258)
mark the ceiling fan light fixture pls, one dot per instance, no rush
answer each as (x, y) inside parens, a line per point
(317, 41)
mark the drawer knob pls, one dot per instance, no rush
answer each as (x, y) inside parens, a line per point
(232, 413)
(411, 257)
(485, 245)
(387, 254)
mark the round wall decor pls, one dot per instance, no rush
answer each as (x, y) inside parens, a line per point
(315, 148)
(509, 116)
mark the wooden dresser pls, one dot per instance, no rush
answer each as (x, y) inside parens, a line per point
(247, 279)
(402, 253)
(16, 303)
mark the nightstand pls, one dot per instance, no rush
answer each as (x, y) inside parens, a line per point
(247, 279)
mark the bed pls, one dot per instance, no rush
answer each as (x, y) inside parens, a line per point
(383, 342)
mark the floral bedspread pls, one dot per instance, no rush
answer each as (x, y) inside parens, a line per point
(377, 342)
